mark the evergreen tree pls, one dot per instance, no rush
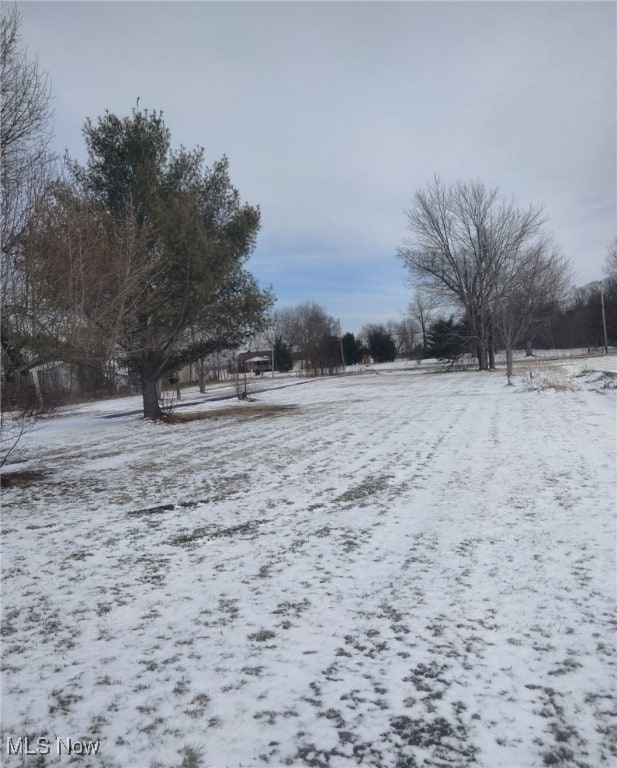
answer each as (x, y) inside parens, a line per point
(329, 355)
(381, 345)
(283, 360)
(352, 349)
(163, 275)
(448, 339)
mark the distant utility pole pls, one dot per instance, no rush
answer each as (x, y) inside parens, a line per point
(603, 317)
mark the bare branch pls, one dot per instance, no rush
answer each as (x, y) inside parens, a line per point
(472, 248)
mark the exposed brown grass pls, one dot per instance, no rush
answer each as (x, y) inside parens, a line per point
(257, 411)
(212, 532)
(21, 478)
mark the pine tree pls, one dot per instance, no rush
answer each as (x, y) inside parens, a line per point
(448, 339)
(352, 349)
(162, 278)
(381, 345)
(283, 360)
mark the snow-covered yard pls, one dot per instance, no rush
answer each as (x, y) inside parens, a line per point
(395, 569)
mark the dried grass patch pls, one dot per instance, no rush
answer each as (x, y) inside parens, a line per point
(212, 532)
(258, 411)
(549, 377)
(21, 478)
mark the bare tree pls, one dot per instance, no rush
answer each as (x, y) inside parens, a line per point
(532, 287)
(89, 275)
(608, 294)
(421, 310)
(286, 325)
(404, 332)
(310, 330)
(463, 239)
(610, 263)
(282, 329)
(26, 167)
(25, 131)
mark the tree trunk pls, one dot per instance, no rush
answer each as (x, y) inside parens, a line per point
(152, 408)
(482, 357)
(478, 334)
(491, 344)
(37, 387)
(509, 363)
(528, 350)
(424, 339)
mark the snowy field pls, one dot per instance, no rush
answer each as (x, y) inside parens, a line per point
(396, 569)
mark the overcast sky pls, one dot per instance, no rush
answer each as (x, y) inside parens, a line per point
(334, 114)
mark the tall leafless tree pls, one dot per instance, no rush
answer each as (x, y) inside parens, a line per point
(421, 311)
(464, 242)
(25, 130)
(404, 332)
(308, 329)
(610, 262)
(532, 287)
(286, 325)
(26, 167)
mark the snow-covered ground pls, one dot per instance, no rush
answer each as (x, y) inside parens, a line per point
(395, 569)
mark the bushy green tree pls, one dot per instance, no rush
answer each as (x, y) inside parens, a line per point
(163, 280)
(448, 339)
(329, 359)
(352, 349)
(283, 360)
(381, 345)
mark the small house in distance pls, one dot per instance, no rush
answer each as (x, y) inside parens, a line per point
(255, 362)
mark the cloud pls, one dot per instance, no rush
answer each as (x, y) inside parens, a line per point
(333, 114)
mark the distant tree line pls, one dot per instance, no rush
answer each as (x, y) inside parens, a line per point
(578, 321)
(429, 330)
(488, 278)
(314, 336)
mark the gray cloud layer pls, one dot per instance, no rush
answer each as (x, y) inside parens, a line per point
(332, 114)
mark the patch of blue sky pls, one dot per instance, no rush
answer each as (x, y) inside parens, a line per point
(355, 286)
